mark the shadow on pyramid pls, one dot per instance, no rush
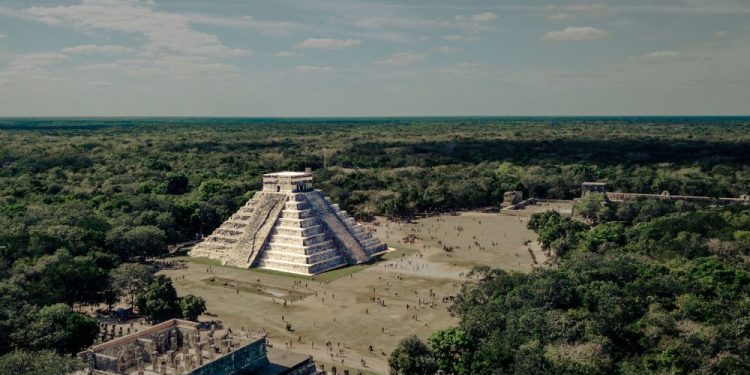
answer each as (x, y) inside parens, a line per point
(290, 227)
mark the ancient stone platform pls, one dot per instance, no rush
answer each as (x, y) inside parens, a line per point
(179, 347)
(290, 227)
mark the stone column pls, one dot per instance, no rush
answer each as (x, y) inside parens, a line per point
(212, 352)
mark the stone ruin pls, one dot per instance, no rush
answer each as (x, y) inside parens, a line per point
(179, 347)
(593, 187)
(290, 227)
(512, 198)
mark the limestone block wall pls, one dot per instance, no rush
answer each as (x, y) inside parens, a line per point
(305, 369)
(349, 245)
(241, 361)
(371, 244)
(238, 240)
(259, 227)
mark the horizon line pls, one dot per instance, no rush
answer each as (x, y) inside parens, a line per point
(355, 116)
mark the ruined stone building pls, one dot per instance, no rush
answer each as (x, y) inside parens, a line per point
(593, 187)
(179, 347)
(512, 198)
(290, 227)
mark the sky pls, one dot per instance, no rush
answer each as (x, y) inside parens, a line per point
(374, 58)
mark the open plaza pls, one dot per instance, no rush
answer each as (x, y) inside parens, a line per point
(353, 317)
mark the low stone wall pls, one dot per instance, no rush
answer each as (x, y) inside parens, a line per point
(244, 360)
(305, 368)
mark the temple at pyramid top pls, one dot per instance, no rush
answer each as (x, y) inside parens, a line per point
(287, 182)
(290, 227)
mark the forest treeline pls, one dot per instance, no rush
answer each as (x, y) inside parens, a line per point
(650, 287)
(84, 201)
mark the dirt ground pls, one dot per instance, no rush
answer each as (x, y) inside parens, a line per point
(363, 307)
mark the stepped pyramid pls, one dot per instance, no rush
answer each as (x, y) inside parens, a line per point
(290, 227)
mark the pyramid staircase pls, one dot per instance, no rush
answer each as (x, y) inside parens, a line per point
(238, 241)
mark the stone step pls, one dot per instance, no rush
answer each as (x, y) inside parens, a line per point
(234, 224)
(301, 259)
(311, 249)
(301, 223)
(297, 214)
(309, 240)
(296, 205)
(305, 269)
(227, 232)
(300, 232)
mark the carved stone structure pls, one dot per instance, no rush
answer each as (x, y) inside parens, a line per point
(180, 347)
(512, 198)
(290, 227)
(593, 187)
(600, 187)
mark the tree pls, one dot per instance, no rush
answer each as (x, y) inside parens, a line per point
(412, 356)
(159, 301)
(59, 328)
(138, 241)
(47, 278)
(603, 236)
(176, 184)
(130, 279)
(192, 307)
(212, 188)
(556, 233)
(38, 363)
(590, 205)
(451, 350)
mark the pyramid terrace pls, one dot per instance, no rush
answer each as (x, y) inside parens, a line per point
(290, 227)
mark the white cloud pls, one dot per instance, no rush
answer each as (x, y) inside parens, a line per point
(3, 36)
(402, 58)
(447, 49)
(559, 16)
(275, 28)
(593, 9)
(286, 54)
(479, 17)
(662, 56)
(396, 22)
(576, 33)
(393, 37)
(164, 31)
(99, 67)
(721, 33)
(31, 69)
(329, 43)
(91, 48)
(461, 38)
(36, 60)
(314, 69)
(176, 67)
(472, 65)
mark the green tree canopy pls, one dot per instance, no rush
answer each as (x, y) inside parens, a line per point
(411, 357)
(38, 363)
(139, 241)
(130, 279)
(191, 307)
(159, 302)
(59, 328)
